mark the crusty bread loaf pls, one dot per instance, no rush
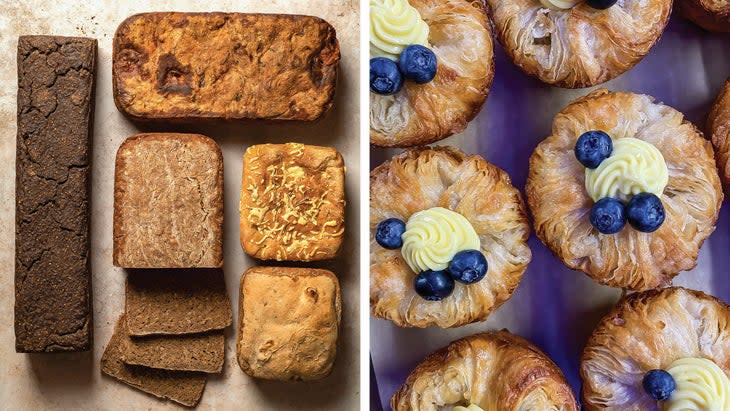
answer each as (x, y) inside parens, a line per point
(188, 66)
(168, 202)
(189, 352)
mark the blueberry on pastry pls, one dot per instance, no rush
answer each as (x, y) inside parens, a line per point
(462, 246)
(665, 350)
(574, 44)
(640, 215)
(718, 128)
(486, 372)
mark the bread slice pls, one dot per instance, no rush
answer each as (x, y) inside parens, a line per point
(183, 387)
(192, 352)
(168, 202)
(176, 302)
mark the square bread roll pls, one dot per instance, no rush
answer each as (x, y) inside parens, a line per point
(292, 202)
(168, 202)
(288, 321)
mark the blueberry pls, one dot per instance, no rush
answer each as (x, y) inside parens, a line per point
(645, 212)
(593, 147)
(608, 215)
(417, 63)
(468, 266)
(433, 285)
(388, 233)
(601, 4)
(659, 384)
(384, 76)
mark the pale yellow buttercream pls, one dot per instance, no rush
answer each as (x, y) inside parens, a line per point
(395, 24)
(701, 386)
(471, 407)
(434, 236)
(560, 4)
(634, 167)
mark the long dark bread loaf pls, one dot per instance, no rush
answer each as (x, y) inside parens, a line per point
(53, 308)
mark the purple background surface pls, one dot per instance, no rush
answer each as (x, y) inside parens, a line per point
(554, 307)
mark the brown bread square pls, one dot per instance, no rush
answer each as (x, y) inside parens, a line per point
(288, 322)
(182, 387)
(176, 302)
(292, 202)
(168, 202)
(186, 352)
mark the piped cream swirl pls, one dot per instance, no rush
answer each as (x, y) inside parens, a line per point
(395, 24)
(471, 407)
(560, 4)
(701, 386)
(634, 167)
(434, 236)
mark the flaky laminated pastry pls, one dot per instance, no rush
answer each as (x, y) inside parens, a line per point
(718, 127)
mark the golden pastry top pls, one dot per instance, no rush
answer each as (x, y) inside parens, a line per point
(560, 4)
(395, 24)
(634, 167)
(434, 236)
(701, 386)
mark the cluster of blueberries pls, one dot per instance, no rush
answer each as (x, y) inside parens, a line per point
(416, 63)
(659, 384)
(644, 211)
(467, 266)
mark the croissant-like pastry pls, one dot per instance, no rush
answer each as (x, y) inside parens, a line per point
(647, 331)
(460, 36)
(718, 125)
(580, 46)
(423, 178)
(496, 371)
(561, 206)
(712, 15)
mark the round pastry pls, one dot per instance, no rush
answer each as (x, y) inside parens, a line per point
(718, 125)
(712, 15)
(461, 238)
(664, 350)
(458, 33)
(641, 215)
(486, 372)
(572, 43)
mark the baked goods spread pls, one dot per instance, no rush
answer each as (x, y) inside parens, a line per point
(53, 310)
(666, 188)
(202, 66)
(484, 372)
(430, 70)
(718, 129)
(288, 323)
(665, 349)
(712, 15)
(448, 238)
(578, 44)
(292, 202)
(168, 202)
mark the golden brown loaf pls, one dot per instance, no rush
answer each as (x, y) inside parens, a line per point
(288, 322)
(712, 15)
(496, 371)
(561, 206)
(186, 66)
(581, 46)
(718, 126)
(446, 177)
(292, 202)
(460, 36)
(647, 331)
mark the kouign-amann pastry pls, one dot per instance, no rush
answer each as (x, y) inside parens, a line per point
(458, 34)
(624, 189)
(712, 15)
(659, 350)
(448, 238)
(486, 372)
(718, 126)
(288, 323)
(292, 202)
(571, 43)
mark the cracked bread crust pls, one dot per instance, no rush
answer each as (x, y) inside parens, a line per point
(168, 202)
(193, 66)
(288, 322)
(53, 310)
(292, 202)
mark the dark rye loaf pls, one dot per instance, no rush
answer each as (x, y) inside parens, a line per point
(53, 310)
